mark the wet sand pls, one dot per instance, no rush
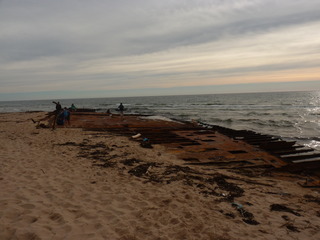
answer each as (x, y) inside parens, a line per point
(75, 184)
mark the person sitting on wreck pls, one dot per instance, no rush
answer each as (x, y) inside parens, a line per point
(73, 108)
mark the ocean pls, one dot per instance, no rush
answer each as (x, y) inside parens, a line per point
(294, 116)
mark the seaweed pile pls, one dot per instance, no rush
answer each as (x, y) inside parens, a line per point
(221, 188)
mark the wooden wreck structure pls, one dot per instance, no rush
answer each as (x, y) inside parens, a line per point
(209, 145)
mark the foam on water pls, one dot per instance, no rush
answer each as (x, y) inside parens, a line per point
(159, 118)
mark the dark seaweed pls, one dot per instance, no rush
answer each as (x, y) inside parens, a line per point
(282, 208)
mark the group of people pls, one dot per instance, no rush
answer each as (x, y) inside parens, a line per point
(63, 114)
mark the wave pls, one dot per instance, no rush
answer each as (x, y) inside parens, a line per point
(254, 113)
(308, 138)
(285, 114)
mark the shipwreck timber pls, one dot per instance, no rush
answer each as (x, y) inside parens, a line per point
(207, 145)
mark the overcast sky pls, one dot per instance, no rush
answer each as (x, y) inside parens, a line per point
(106, 48)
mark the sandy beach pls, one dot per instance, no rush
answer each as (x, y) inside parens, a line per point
(69, 183)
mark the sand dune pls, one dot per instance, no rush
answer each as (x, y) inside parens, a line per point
(74, 184)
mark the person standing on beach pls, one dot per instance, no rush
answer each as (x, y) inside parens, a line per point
(58, 106)
(56, 113)
(66, 116)
(121, 109)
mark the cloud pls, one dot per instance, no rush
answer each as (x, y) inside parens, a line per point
(57, 45)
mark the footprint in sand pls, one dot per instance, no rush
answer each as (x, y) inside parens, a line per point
(30, 219)
(56, 217)
(28, 236)
(28, 206)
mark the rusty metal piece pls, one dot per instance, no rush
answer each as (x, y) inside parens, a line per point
(310, 184)
(301, 157)
(290, 152)
(276, 145)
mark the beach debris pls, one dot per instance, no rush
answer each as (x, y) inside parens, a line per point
(231, 215)
(146, 143)
(106, 164)
(173, 169)
(38, 122)
(42, 125)
(130, 162)
(212, 184)
(262, 170)
(310, 198)
(237, 205)
(136, 136)
(310, 183)
(34, 120)
(279, 193)
(247, 217)
(292, 228)
(283, 208)
(98, 152)
(285, 217)
(191, 159)
(142, 169)
(289, 224)
(233, 189)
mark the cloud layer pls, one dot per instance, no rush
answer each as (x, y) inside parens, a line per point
(112, 45)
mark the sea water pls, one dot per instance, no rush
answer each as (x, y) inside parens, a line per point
(290, 115)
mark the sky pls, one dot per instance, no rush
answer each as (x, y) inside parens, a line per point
(106, 48)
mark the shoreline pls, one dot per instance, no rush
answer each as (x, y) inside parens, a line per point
(75, 184)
